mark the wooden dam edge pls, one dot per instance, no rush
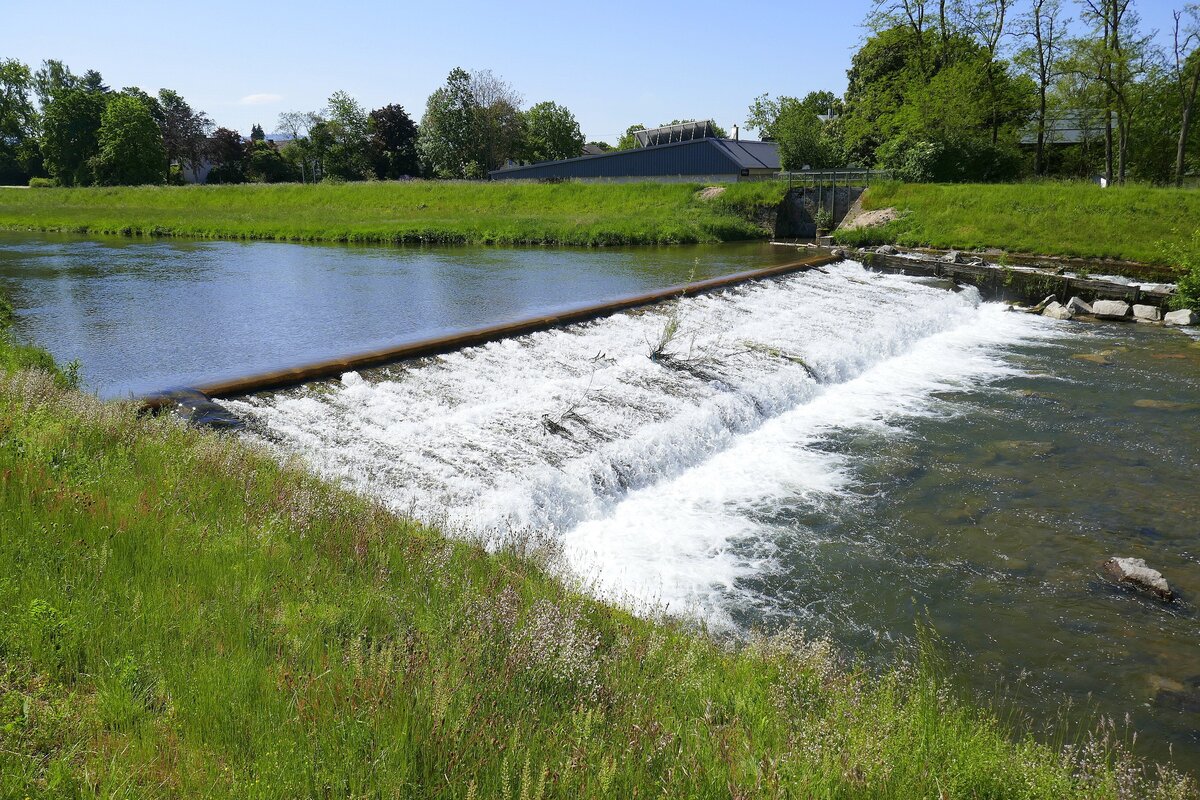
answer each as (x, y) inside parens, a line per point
(335, 367)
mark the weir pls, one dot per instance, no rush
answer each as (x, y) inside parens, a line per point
(278, 379)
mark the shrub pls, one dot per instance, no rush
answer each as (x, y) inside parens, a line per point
(42, 183)
(1184, 255)
(958, 160)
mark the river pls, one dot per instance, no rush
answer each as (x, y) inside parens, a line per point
(844, 451)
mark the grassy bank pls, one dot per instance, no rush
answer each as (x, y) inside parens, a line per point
(1056, 219)
(183, 616)
(408, 212)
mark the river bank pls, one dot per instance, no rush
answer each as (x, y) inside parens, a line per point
(180, 614)
(410, 212)
(1068, 220)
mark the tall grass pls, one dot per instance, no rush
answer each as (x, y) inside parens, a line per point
(1045, 218)
(181, 615)
(405, 212)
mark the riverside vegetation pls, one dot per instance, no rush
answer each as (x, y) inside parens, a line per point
(406, 212)
(181, 614)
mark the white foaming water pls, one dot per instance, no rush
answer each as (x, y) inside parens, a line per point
(649, 470)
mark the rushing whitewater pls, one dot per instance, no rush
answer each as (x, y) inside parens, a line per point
(655, 473)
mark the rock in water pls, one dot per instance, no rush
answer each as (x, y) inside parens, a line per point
(886, 250)
(1184, 316)
(1077, 305)
(1134, 572)
(1147, 312)
(1057, 310)
(953, 257)
(1110, 309)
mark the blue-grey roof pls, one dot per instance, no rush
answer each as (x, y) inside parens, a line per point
(698, 157)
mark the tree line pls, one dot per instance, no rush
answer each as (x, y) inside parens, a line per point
(76, 131)
(945, 90)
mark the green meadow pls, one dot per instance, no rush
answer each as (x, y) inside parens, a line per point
(442, 212)
(1131, 223)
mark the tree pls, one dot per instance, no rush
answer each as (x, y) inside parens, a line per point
(184, 131)
(499, 125)
(393, 144)
(347, 126)
(70, 134)
(1113, 57)
(301, 152)
(628, 141)
(257, 134)
(265, 164)
(130, 144)
(552, 133)
(446, 140)
(803, 139)
(52, 78)
(19, 156)
(1185, 74)
(227, 154)
(1044, 27)
(948, 91)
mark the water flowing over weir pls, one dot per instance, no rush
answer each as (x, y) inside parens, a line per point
(660, 475)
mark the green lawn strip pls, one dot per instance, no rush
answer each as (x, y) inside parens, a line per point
(405, 212)
(1054, 219)
(182, 615)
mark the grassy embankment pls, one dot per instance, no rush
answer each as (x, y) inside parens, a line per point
(1053, 219)
(408, 212)
(183, 616)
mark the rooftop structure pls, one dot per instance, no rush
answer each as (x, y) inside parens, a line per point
(704, 159)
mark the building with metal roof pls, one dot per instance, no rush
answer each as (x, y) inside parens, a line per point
(698, 160)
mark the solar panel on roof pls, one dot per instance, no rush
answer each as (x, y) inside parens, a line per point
(682, 132)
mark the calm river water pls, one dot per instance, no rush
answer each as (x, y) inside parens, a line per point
(933, 457)
(145, 315)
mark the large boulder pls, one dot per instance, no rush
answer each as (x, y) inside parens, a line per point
(886, 250)
(1150, 313)
(1077, 305)
(1184, 316)
(1133, 572)
(1110, 309)
(1056, 310)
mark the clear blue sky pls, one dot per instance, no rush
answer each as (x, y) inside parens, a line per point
(612, 64)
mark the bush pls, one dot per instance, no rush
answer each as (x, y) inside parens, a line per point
(961, 160)
(1184, 255)
(42, 183)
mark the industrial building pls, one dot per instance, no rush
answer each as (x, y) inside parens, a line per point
(685, 153)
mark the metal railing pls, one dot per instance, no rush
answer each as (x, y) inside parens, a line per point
(835, 177)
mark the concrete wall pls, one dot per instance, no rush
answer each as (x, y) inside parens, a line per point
(797, 213)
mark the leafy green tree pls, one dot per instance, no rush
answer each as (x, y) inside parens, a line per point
(20, 157)
(301, 152)
(804, 141)
(347, 157)
(70, 134)
(52, 78)
(393, 145)
(227, 153)
(945, 89)
(184, 130)
(257, 134)
(447, 135)
(628, 140)
(265, 164)
(552, 133)
(130, 144)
